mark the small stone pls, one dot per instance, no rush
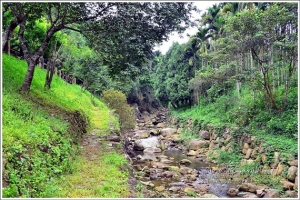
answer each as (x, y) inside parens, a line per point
(248, 153)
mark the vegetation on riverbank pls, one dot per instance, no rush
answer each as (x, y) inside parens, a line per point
(41, 132)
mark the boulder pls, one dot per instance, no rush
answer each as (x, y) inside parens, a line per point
(168, 131)
(248, 187)
(272, 193)
(142, 144)
(292, 173)
(197, 144)
(296, 183)
(204, 135)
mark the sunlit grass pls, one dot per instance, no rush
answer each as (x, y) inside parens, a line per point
(37, 146)
(95, 178)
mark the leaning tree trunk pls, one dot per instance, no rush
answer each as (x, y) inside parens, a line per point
(6, 35)
(29, 76)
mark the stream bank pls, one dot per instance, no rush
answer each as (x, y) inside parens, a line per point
(168, 168)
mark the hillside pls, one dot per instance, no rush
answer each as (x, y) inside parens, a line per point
(42, 131)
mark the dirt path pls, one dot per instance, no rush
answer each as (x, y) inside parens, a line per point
(98, 171)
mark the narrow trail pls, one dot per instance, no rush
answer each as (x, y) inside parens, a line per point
(97, 172)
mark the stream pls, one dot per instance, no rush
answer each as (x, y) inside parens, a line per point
(166, 170)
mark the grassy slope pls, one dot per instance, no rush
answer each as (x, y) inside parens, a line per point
(278, 131)
(35, 154)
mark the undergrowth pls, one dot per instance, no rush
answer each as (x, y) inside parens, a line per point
(38, 143)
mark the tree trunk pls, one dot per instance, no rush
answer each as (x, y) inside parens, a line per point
(6, 35)
(50, 73)
(29, 76)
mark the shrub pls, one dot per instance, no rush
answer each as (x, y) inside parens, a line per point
(116, 100)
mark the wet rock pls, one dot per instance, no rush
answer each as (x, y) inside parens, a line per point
(272, 193)
(232, 192)
(198, 144)
(185, 161)
(248, 187)
(168, 131)
(152, 150)
(292, 173)
(204, 135)
(142, 144)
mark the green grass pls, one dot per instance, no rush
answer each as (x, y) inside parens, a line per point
(95, 178)
(37, 146)
(66, 96)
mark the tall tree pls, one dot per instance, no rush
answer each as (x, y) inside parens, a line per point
(112, 23)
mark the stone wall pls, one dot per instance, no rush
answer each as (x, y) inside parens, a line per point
(250, 147)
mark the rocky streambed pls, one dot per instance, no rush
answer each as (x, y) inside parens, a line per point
(169, 169)
(166, 167)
